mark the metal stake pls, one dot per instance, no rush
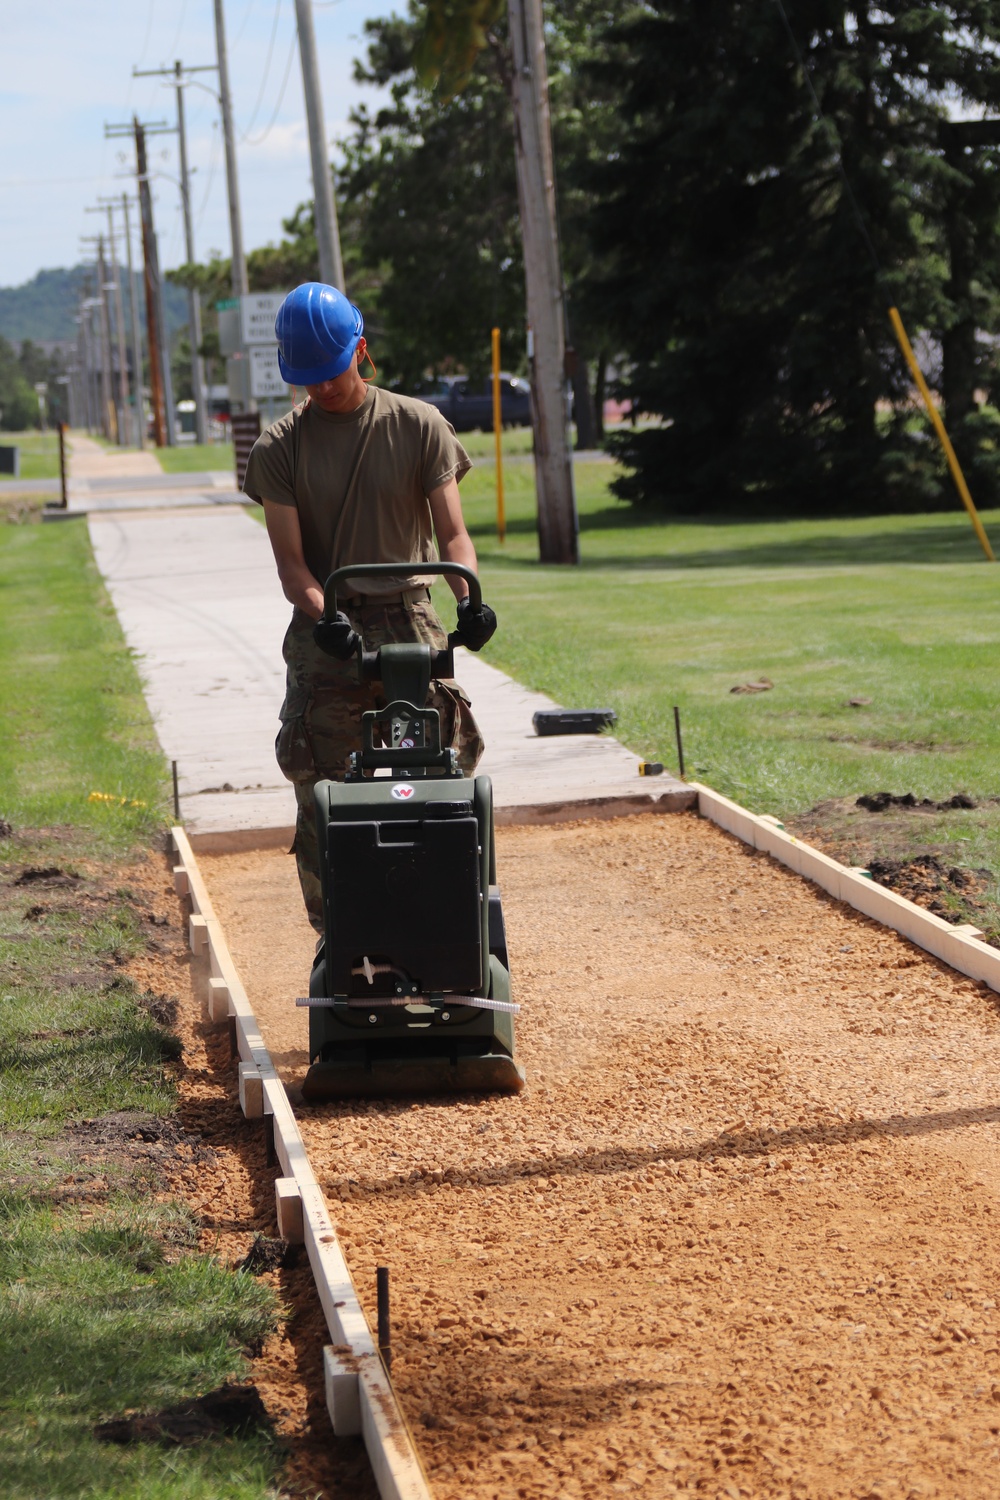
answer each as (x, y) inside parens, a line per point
(270, 1154)
(64, 502)
(384, 1334)
(177, 800)
(680, 742)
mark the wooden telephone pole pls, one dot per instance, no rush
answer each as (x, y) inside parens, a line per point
(178, 73)
(160, 384)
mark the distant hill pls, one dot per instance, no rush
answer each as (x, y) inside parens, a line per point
(43, 309)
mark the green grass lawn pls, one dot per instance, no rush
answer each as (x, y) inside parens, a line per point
(39, 453)
(900, 610)
(188, 458)
(75, 720)
(106, 1304)
(516, 443)
(196, 458)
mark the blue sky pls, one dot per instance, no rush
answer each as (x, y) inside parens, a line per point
(67, 69)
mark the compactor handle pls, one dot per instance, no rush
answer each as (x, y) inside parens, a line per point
(395, 570)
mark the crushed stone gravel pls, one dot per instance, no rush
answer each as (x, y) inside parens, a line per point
(738, 1235)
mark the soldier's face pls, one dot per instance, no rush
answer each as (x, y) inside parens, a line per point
(344, 392)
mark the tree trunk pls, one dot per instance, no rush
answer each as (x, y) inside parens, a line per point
(557, 522)
(583, 403)
(600, 393)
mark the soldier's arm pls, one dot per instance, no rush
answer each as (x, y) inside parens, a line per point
(285, 534)
(454, 542)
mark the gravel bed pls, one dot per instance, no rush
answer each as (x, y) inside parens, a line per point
(737, 1237)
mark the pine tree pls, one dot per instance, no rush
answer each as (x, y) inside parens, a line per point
(754, 245)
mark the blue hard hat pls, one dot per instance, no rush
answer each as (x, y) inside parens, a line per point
(317, 331)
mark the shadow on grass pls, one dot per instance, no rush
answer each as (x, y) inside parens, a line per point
(842, 545)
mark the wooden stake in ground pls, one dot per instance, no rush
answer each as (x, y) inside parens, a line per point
(557, 522)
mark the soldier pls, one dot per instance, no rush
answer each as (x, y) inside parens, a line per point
(354, 475)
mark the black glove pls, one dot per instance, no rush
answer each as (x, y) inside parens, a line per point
(475, 626)
(337, 637)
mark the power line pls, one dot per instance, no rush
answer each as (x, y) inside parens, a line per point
(267, 71)
(213, 162)
(257, 139)
(177, 34)
(50, 181)
(149, 29)
(246, 17)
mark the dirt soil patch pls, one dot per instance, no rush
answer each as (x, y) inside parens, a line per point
(916, 847)
(928, 882)
(738, 1235)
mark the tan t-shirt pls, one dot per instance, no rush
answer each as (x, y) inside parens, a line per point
(359, 481)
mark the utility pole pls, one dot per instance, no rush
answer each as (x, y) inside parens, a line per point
(161, 386)
(331, 265)
(109, 417)
(138, 384)
(557, 522)
(84, 346)
(239, 265)
(177, 72)
(123, 435)
(107, 358)
(83, 356)
(194, 304)
(116, 286)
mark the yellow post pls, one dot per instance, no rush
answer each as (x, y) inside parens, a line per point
(935, 416)
(498, 434)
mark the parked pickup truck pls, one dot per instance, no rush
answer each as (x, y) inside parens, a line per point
(469, 404)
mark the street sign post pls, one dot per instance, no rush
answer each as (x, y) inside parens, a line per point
(265, 377)
(258, 311)
(246, 339)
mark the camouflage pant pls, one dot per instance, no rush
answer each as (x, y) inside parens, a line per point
(321, 716)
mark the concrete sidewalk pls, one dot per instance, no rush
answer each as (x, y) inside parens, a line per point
(126, 479)
(199, 601)
(90, 460)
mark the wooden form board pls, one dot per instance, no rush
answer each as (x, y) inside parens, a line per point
(955, 946)
(358, 1388)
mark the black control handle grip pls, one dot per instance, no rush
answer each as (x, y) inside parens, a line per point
(394, 570)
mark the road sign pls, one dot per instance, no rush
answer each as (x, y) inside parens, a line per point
(230, 341)
(258, 311)
(238, 380)
(265, 377)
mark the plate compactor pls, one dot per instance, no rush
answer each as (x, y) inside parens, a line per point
(410, 989)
